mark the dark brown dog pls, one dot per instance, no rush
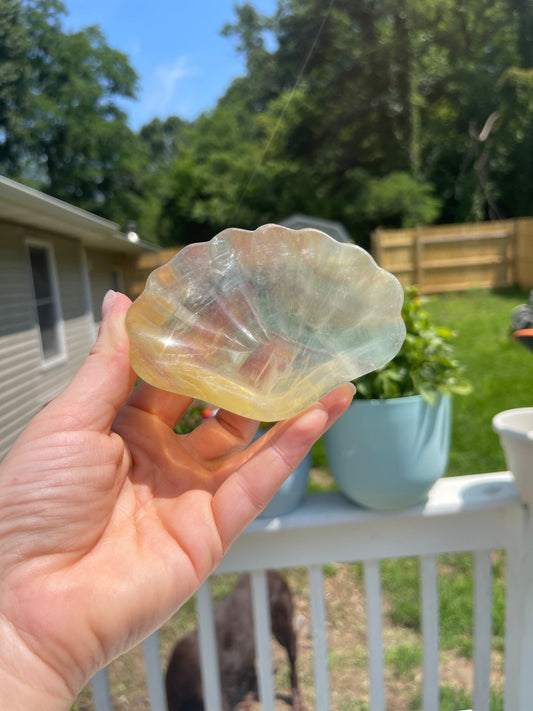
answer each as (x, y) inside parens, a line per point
(236, 649)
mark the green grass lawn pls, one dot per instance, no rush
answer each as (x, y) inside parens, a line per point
(501, 373)
(500, 370)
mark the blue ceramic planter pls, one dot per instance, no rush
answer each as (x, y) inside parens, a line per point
(387, 454)
(290, 494)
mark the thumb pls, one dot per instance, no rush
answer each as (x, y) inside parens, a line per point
(103, 383)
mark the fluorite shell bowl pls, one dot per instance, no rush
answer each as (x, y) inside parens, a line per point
(265, 323)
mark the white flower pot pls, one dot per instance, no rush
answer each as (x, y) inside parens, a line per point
(515, 429)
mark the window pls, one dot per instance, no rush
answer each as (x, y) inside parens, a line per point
(116, 280)
(46, 297)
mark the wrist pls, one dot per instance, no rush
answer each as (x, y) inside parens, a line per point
(27, 683)
(24, 694)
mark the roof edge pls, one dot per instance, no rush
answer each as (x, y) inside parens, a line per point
(24, 205)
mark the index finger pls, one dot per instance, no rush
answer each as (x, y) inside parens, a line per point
(246, 492)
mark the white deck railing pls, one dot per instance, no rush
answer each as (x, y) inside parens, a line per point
(475, 514)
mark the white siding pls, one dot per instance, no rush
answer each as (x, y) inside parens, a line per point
(25, 387)
(105, 272)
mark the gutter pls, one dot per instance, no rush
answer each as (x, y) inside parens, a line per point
(26, 206)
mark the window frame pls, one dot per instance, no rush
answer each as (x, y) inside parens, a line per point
(61, 355)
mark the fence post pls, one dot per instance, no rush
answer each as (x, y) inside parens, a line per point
(418, 257)
(512, 253)
(523, 228)
(375, 245)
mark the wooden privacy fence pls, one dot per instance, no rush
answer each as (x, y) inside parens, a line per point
(457, 257)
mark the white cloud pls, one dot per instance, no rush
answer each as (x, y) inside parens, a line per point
(160, 94)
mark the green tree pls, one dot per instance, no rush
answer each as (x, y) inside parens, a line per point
(71, 139)
(14, 83)
(346, 107)
(260, 84)
(512, 164)
(391, 112)
(399, 200)
(467, 48)
(208, 180)
(162, 142)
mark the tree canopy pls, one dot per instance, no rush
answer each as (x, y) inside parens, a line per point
(61, 129)
(391, 112)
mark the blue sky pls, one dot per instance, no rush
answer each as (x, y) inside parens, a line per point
(175, 46)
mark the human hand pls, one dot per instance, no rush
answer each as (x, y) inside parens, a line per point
(109, 521)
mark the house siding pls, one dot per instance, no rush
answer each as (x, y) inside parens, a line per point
(25, 384)
(105, 272)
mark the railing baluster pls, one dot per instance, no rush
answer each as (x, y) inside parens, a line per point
(525, 602)
(320, 644)
(375, 635)
(154, 676)
(514, 610)
(208, 648)
(261, 610)
(101, 694)
(430, 631)
(482, 571)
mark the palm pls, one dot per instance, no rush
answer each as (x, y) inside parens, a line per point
(143, 534)
(110, 521)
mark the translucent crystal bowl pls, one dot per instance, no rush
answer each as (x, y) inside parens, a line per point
(265, 323)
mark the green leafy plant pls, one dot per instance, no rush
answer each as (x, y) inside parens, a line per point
(425, 365)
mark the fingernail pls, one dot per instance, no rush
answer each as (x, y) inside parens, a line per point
(107, 303)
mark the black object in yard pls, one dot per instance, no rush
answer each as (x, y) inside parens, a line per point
(522, 323)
